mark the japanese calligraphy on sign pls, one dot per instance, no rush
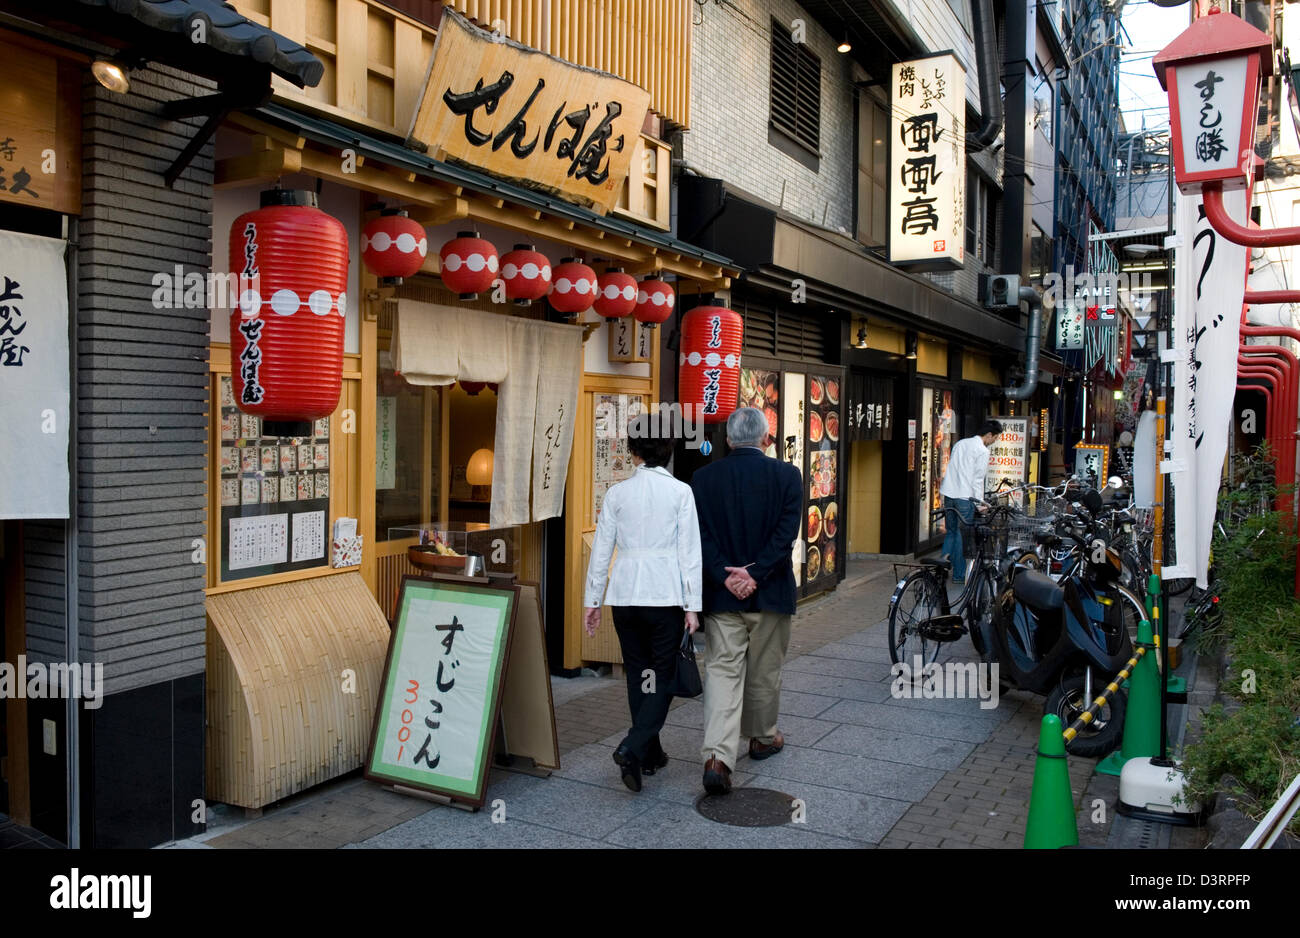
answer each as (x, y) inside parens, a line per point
(442, 687)
(39, 131)
(1212, 103)
(527, 116)
(927, 205)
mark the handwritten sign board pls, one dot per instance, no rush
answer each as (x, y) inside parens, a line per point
(437, 712)
(527, 116)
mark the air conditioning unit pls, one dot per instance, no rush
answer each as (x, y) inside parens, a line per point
(1003, 291)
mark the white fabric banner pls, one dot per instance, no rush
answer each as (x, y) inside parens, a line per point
(34, 404)
(438, 345)
(557, 399)
(516, 415)
(1210, 279)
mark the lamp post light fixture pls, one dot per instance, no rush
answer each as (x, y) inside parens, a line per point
(111, 74)
(1212, 73)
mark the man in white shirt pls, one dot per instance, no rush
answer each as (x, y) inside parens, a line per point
(962, 488)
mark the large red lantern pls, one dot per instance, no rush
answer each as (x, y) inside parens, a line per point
(393, 246)
(527, 274)
(654, 302)
(286, 333)
(573, 286)
(469, 264)
(615, 294)
(709, 376)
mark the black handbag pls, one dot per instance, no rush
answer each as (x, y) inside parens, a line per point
(686, 681)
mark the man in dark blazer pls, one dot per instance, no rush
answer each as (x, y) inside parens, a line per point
(748, 506)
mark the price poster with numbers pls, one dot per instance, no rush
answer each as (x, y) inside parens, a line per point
(437, 713)
(1009, 457)
(264, 477)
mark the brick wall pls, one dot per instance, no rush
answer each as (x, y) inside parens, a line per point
(730, 92)
(142, 396)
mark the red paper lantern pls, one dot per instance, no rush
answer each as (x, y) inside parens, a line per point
(469, 264)
(573, 286)
(654, 302)
(709, 376)
(472, 387)
(615, 294)
(393, 246)
(527, 274)
(286, 333)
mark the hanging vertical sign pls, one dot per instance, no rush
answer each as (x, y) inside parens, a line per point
(1069, 326)
(927, 181)
(1209, 282)
(33, 377)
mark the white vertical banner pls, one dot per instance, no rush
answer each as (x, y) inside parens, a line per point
(558, 372)
(1210, 280)
(34, 403)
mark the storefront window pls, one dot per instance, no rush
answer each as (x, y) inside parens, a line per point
(408, 422)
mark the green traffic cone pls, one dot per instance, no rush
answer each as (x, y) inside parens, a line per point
(1051, 822)
(1142, 717)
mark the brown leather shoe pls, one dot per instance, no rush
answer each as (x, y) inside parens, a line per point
(717, 777)
(759, 750)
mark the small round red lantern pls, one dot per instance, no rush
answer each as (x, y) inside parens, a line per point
(573, 286)
(527, 274)
(709, 376)
(472, 388)
(469, 264)
(654, 302)
(615, 294)
(393, 246)
(286, 332)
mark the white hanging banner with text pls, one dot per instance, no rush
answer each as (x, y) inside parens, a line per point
(33, 377)
(1210, 280)
(927, 184)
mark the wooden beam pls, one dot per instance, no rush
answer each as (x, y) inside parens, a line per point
(268, 161)
(555, 230)
(450, 210)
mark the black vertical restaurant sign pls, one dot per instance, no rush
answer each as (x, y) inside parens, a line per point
(869, 408)
(527, 116)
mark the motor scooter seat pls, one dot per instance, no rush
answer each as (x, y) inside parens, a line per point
(1039, 591)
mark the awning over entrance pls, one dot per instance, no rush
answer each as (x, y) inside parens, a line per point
(774, 249)
(287, 141)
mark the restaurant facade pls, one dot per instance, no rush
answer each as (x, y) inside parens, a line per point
(236, 573)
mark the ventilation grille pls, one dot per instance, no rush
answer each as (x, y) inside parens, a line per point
(784, 335)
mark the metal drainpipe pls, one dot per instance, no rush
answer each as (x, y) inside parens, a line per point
(1030, 383)
(989, 61)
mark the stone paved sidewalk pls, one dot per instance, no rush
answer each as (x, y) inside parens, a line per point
(872, 770)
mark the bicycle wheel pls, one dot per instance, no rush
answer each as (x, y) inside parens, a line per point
(979, 613)
(1178, 586)
(916, 599)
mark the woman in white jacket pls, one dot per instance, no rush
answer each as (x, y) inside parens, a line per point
(654, 590)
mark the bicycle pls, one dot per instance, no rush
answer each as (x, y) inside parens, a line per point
(922, 617)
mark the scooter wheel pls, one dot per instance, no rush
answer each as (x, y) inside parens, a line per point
(1103, 734)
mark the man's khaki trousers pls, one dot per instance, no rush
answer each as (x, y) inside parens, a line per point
(744, 652)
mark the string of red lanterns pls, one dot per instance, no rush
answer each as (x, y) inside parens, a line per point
(394, 246)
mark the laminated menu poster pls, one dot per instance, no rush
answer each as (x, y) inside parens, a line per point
(611, 461)
(272, 537)
(437, 711)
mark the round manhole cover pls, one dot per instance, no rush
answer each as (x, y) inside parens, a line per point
(748, 807)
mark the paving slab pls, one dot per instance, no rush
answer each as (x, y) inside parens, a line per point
(840, 667)
(854, 815)
(830, 686)
(854, 773)
(894, 746)
(968, 727)
(680, 782)
(675, 826)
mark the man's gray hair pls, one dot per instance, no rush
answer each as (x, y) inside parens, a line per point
(747, 426)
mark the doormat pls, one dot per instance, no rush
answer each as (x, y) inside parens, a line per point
(748, 807)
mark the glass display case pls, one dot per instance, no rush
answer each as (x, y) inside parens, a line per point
(452, 542)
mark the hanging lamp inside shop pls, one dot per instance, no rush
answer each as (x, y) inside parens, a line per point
(615, 294)
(469, 264)
(654, 301)
(709, 362)
(526, 273)
(573, 287)
(393, 247)
(286, 331)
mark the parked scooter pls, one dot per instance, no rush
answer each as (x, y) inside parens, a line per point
(1057, 639)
